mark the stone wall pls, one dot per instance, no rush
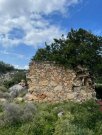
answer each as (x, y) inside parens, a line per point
(53, 83)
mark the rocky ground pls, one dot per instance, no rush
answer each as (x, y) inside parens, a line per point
(16, 92)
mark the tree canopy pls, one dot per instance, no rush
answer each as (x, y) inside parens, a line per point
(80, 47)
(5, 67)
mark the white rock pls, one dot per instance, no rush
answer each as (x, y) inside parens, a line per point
(59, 88)
(17, 87)
(60, 114)
(3, 100)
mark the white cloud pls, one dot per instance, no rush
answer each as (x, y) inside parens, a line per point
(13, 54)
(28, 16)
(21, 67)
(24, 7)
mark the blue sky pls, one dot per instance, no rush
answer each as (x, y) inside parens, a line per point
(25, 25)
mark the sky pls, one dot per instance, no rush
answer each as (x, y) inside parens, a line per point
(25, 25)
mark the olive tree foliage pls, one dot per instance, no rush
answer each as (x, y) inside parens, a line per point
(80, 47)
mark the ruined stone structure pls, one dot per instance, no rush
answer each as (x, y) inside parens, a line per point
(52, 83)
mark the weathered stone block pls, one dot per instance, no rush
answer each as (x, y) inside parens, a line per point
(58, 88)
(43, 83)
(53, 83)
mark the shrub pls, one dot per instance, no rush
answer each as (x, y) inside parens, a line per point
(4, 95)
(29, 112)
(15, 114)
(17, 77)
(3, 88)
(8, 83)
(12, 114)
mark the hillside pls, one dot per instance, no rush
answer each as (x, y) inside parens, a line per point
(4, 68)
(10, 76)
(12, 82)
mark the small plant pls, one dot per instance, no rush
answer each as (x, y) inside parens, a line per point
(3, 88)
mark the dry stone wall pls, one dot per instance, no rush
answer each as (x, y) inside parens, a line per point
(52, 83)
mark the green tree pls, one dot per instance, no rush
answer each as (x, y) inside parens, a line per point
(5, 67)
(80, 47)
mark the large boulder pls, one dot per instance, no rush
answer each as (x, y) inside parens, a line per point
(16, 87)
(17, 90)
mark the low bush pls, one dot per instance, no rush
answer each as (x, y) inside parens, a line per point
(4, 95)
(12, 114)
(29, 111)
(15, 114)
(8, 83)
(3, 89)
